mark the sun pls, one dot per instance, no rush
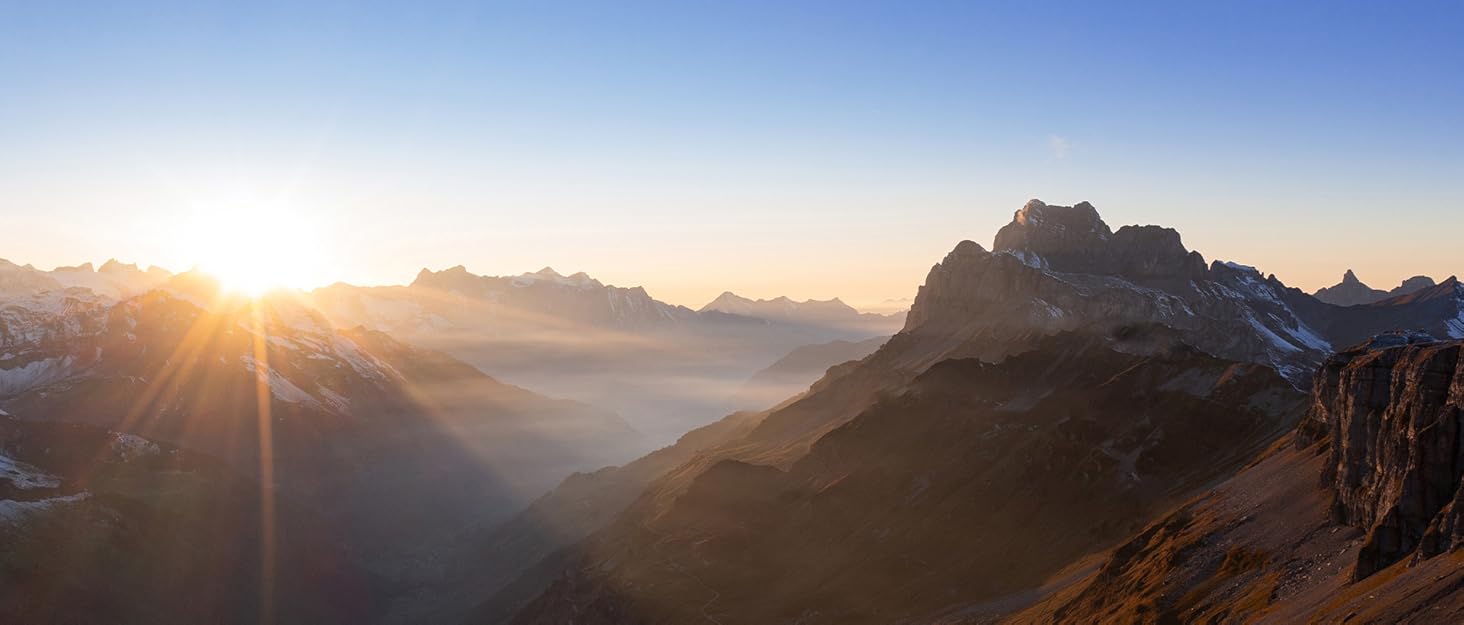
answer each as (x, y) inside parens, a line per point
(253, 250)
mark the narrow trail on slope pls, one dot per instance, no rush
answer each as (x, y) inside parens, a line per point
(672, 565)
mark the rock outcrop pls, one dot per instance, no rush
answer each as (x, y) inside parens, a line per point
(1074, 239)
(1376, 540)
(1057, 268)
(1392, 411)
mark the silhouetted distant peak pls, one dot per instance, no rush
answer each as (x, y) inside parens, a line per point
(82, 268)
(1352, 292)
(548, 275)
(784, 308)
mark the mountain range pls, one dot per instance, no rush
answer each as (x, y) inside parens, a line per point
(667, 368)
(398, 449)
(1044, 400)
(1078, 424)
(394, 447)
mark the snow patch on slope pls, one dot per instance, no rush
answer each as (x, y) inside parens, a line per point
(25, 476)
(34, 374)
(281, 388)
(1271, 337)
(15, 511)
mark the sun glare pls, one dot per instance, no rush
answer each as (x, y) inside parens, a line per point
(254, 250)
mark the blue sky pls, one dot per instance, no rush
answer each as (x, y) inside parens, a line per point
(813, 149)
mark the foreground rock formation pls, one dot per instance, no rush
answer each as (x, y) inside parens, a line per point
(1391, 410)
(1351, 519)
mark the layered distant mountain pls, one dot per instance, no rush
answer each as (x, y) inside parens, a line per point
(114, 280)
(833, 313)
(398, 448)
(1053, 393)
(667, 368)
(1352, 292)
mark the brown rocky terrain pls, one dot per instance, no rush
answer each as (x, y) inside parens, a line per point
(1351, 519)
(104, 527)
(922, 503)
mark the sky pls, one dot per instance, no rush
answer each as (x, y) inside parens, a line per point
(808, 149)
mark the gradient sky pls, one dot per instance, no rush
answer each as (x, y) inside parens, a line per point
(808, 149)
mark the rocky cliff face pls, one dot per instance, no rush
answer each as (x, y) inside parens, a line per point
(1376, 540)
(1392, 410)
(1074, 239)
(1056, 268)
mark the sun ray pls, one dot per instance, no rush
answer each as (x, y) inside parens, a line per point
(266, 466)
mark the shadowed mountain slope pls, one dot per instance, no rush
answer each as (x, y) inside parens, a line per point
(397, 447)
(974, 481)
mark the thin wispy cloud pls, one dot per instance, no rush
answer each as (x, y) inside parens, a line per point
(1060, 147)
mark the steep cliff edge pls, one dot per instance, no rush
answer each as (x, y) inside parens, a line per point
(1391, 409)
